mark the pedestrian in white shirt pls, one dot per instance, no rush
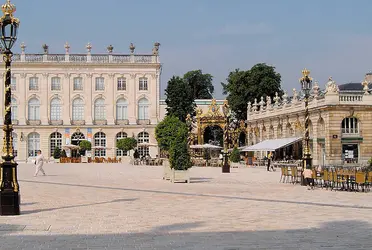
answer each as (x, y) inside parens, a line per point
(39, 162)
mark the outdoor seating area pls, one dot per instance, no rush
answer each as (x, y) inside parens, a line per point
(91, 160)
(147, 161)
(340, 178)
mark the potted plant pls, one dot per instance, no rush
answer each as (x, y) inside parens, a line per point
(63, 156)
(57, 154)
(84, 146)
(165, 133)
(235, 158)
(179, 159)
(126, 144)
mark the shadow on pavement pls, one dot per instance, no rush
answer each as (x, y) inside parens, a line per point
(203, 195)
(331, 235)
(73, 206)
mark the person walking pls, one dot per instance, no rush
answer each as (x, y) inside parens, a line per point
(39, 162)
(269, 161)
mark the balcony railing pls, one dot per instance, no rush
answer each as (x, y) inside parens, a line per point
(78, 122)
(351, 98)
(56, 122)
(100, 122)
(143, 121)
(84, 58)
(33, 122)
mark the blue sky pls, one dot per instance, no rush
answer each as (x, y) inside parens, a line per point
(329, 37)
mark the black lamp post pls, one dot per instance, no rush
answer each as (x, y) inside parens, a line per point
(306, 84)
(9, 188)
(226, 138)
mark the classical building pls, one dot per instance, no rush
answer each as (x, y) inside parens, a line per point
(60, 99)
(340, 121)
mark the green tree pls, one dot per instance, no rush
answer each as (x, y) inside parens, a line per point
(179, 156)
(244, 86)
(235, 155)
(84, 146)
(57, 153)
(126, 144)
(201, 84)
(167, 130)
(179, 99)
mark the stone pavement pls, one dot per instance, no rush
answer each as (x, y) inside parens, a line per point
(118, 206)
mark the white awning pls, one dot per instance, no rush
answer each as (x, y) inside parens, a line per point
(272, 145)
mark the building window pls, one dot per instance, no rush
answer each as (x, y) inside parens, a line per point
(350, 126)
(15, 144)
(143, 83)
(121, 135)
(55, 109)
(99, 109)
(13, 84)
(14, 108)
(55, 141)
(76, 138)
(100, 144)
(78, 83)
(121, 109)
(78, 110)
(56, 83)
(122, 84)
(33, 83)
(34, 109)
(350, 153)
(143, 109)
(143, 138)
(33, 144)
(100, 83)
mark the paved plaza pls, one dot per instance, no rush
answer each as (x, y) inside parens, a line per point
(118, 206)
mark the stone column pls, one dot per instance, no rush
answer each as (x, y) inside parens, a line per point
(315, 152)
(22, 90)
(67, 101)
(132, 96)
(88, 85)
(44, 94)
(110, 100)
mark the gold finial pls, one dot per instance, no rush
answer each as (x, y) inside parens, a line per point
(8, 8)
(305, 72)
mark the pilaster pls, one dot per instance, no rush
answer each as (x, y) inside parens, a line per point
(88, 85)
(44, 102)
(110, 100)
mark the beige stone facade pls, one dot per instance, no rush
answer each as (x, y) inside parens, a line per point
(58, 99)
(340, 122)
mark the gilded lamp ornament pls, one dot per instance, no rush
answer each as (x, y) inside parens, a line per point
(9, 188)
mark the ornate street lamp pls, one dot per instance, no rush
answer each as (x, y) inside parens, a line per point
(306, 84)
(9, 188)
(226, 114)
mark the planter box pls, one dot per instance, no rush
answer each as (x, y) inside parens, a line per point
(180, 176)
(84, 159)
(167, 170)
(234, 164)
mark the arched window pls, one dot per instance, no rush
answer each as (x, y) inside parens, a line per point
(121, 109)
(121, 135)
(55, 141)
(77, 137)
(34, 109)
(78, 83)
(143, 109)
(350, 125)
(99, 109)
(143, 138)
(143, 83)
(15, 144)
(33, 144)
(321, 128)
(56, 83)
(55, 109)
(14, 108)
(100, 144)
(78, 110)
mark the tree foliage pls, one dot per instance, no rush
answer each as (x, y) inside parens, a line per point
(201, 84)
(180, 101)
(235, 155)
(179, 156)
(167, 130)
(244, 86)
(126, 144)
(84, 146)
(57, 153)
